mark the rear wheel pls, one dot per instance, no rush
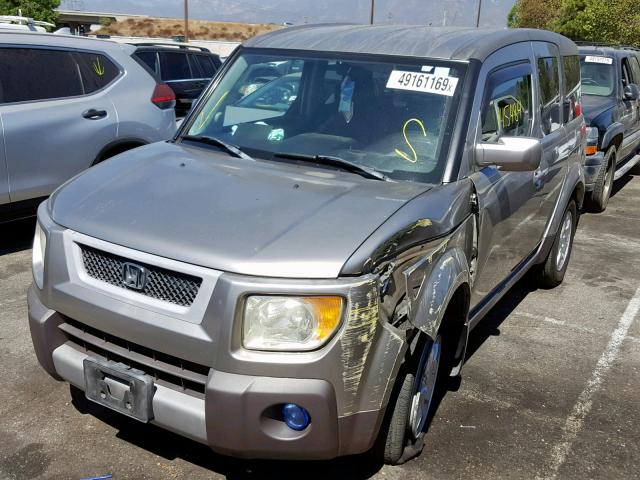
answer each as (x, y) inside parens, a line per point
(413, 406)
(555, 266)
(604, 183)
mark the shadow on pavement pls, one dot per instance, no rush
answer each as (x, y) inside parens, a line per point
(489, 326)
(17, 235)
(621, 183)
(171, 446)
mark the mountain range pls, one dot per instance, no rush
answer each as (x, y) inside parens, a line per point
(434, 12)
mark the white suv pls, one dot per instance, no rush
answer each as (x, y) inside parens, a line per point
(67, 103)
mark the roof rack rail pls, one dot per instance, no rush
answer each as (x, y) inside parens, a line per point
(183, 46)
(595, 44)
(605, 44)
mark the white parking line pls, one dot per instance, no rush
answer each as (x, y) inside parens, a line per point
(581, 409)
(554, 321)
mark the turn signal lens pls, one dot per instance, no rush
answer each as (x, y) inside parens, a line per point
(591, 149)
(280, 323)
(38, 258)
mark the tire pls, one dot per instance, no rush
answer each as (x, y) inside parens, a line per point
(401, 442)
(555, 266)
(599, 198)
(636, 168)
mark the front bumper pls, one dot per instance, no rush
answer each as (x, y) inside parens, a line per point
(208, 387)
(592, 167)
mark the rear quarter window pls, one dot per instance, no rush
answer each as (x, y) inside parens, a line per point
(30, 74)
(96, 70)
(150, 59)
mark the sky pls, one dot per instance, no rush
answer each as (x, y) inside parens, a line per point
(434, 12)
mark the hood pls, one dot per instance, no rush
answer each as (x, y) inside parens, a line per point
(206, 208)
(593, 106)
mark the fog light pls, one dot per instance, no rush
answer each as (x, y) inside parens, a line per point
(296, 417)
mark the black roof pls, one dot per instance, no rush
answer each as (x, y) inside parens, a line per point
(456, 43)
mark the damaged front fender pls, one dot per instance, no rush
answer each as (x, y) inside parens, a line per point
(433, 279)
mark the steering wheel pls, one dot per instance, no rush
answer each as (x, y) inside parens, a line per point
(589, 81)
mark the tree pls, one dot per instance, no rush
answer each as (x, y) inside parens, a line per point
(610, 21)
(43, 10)
(533, 13)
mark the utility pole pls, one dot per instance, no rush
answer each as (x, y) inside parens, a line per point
(479, 10)
(186, 20)
(373, 8)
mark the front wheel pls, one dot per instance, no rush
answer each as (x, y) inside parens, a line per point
(413, 406)
(555, 266)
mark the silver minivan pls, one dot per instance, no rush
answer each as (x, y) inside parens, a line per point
(298, 271)
(67, 103)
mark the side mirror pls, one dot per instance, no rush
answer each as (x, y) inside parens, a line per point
(631, 92)
(511, 154)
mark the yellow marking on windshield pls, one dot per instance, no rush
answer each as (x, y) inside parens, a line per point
(511, 114)
(402, 154)
(205, 119)
(98, 68)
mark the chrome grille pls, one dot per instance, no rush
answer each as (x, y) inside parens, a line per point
(166, 285)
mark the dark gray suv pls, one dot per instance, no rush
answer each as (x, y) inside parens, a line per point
(293, 277)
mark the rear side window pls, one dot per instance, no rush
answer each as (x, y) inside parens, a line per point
(507, 107)
(96, 70)
(635, 69)
(29, 74)
(206, 64)
(571, 87)
(626, 73)
(174, 66)
(549, 79)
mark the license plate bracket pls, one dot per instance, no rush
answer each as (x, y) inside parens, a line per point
(117, 386)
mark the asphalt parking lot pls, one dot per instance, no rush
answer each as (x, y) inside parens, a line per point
(550, 389)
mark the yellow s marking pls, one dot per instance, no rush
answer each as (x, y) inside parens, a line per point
(402, 154)
(98, 68)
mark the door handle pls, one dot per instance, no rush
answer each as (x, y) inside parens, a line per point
(94, 114)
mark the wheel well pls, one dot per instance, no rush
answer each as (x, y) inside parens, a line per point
(617, 141)
(115, 149)
(453, 323)
(578, 195)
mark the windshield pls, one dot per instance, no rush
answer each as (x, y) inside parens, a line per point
(393, 117)
(598, 76)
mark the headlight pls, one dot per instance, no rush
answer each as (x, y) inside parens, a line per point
(592, 135)
(39, 249)
(290, 323)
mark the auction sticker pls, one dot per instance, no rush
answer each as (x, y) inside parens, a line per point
(594, 59)
(436, 82)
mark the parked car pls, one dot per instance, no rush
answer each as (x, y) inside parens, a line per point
(611, 102)
(187, 69)
(67, 103)
(302, 293)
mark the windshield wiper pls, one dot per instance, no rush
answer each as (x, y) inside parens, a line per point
(232, 149)
(338, 162)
